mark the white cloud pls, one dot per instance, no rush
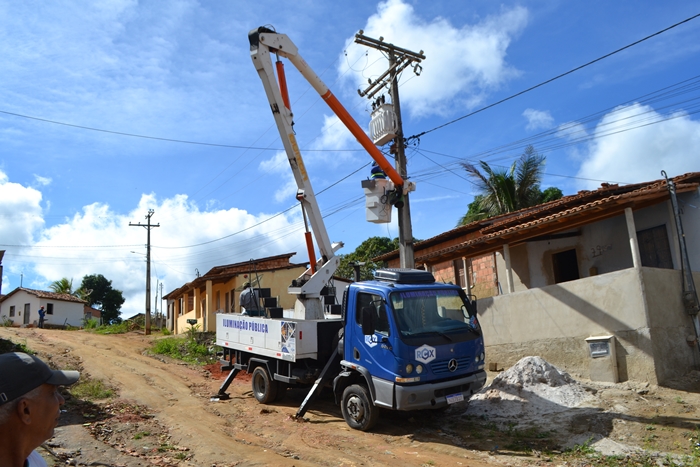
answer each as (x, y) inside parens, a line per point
(98, 240)
(20, 212)
(572, 131)
(538, 119)
(326, 154)
(334, 136)
(43, 181)
(463, 63)
(278, 163)
(641, 153)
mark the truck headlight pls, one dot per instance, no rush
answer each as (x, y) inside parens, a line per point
(419, 369)
(409, 369)
(480, 357)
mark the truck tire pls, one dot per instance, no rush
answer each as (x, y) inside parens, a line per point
(264, 387)
(358, 410)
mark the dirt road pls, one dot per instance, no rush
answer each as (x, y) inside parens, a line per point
(164, 416)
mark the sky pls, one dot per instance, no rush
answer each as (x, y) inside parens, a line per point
(111, 109)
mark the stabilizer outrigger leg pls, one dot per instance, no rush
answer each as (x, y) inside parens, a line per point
(323, 378)
(222, 395)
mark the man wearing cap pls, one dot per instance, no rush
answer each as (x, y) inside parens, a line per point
(42, 315)
(249, 301)
(30, 404)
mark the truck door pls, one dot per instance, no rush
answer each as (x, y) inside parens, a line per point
(373, 352)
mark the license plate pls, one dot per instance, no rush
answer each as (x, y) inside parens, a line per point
(452, 398)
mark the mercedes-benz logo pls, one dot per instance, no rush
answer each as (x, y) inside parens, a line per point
(452, 365)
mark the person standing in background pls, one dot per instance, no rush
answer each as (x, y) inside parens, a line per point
(42, 315)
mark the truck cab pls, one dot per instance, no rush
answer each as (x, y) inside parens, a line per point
(409, 343)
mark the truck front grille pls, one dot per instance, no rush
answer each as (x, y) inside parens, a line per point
(442, 367)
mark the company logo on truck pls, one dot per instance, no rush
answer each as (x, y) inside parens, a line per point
(425, 354)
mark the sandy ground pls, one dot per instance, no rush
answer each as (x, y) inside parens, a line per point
(163, 415)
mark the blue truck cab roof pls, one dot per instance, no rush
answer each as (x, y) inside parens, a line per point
(400, 279)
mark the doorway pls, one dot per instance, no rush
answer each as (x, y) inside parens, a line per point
(565, 265)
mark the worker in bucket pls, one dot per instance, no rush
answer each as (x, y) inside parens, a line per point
(376, 172)
(250, 303)
(30, 404)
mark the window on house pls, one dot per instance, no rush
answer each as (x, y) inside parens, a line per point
(459, 273)
(654, 248)
(565, 265)
(12, 311)
(218, 300)
(49, 308)
(227, 303)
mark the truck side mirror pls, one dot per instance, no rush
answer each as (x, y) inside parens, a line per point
(367, 319)
(471, 306)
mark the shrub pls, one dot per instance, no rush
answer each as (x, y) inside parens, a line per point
(185, 349)
(91, 323)
(91, 389)
(9, 346)
(120, 328)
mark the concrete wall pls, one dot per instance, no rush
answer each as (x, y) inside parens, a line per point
(70, 313)
(689, 204)
(669, 324)
(554, 321)
(18, 300)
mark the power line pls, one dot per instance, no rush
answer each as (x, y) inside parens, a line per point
(170, 140)
(553, 79)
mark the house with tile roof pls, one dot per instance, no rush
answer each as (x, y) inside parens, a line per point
(610, 262)
(21, 307)
(218, 291)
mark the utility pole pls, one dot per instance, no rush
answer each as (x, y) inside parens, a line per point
(155, 306)
(2, 253)
(162, 312)
(399, 59)
(148, 227)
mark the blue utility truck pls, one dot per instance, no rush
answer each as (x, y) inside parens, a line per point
(401, 341)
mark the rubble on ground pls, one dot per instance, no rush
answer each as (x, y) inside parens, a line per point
(532, 387)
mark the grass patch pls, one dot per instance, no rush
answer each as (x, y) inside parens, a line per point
(188, 350)
(7, 345)
(92, 323)
(91, 389)
(120, 328)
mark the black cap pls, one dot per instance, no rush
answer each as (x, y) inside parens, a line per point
(21, 372)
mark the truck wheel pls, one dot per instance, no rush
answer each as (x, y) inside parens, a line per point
(264, 387)
(358, 411)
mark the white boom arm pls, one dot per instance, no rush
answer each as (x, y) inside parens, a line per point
(263, 43)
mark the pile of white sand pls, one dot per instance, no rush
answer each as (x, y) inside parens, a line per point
(531, 387)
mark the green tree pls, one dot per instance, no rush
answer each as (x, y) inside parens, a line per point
(63, 285)
(373, 246)
(508, 190)
(101, 293)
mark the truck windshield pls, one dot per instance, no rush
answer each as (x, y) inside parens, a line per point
(440, 312)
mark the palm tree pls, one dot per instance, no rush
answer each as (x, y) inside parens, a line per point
(507, 190)
(63, 285)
